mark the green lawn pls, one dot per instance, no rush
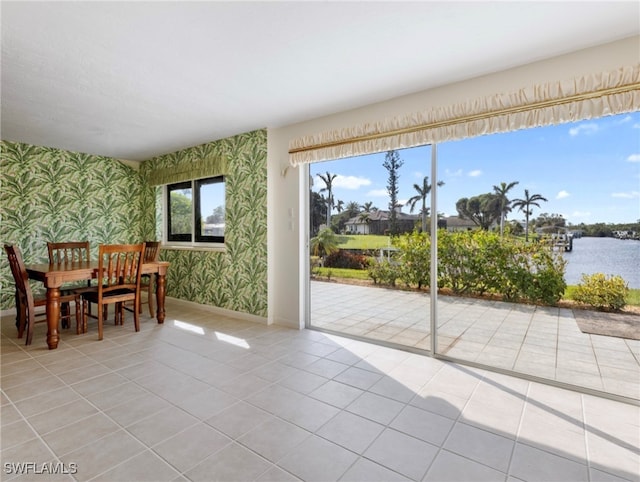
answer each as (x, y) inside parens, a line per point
(363, 241)
(342, 273)
(633, 298)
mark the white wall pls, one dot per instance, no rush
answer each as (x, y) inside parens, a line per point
(285, 214)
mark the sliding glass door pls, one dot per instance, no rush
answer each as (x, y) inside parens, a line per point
(365, 212)
(534, 230)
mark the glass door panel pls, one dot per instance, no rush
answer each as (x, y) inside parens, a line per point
(365, 213)
(569, 195)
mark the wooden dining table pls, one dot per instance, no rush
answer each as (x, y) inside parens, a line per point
(53, 276)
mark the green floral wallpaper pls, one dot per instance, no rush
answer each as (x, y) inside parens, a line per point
(52, 194)
(234, 279)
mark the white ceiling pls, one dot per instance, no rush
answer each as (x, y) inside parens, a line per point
(132, 80)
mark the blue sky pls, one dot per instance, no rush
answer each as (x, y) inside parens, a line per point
(589, 170)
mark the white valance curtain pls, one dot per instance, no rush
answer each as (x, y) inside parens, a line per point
(587, 97)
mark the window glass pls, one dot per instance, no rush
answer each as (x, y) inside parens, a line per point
(180, 198)
(211, 206)
(196, 211)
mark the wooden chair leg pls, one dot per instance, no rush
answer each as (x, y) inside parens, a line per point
(100, 319)
(18, 307)
(85, 310)
(85, 325)
(65, 313)
(150, 299)
(136, 317)
(81, 322)
(85, 306)
(21, 309)
(30, 325)
(79, 314)
(119, 313)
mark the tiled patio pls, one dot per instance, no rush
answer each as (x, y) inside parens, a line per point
(539, 341)
(206, 397)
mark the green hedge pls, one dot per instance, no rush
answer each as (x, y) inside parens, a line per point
(477, 263)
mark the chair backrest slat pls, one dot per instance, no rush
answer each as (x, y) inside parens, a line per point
(151, 251)
(120, 266)
(69, 252)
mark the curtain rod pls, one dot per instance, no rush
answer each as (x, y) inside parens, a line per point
(474, 117)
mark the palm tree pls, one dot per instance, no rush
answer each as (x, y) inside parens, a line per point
(352, 208)
(368, 207)
(423, 192)
(328, 181)
(501, 191)
(324, 243)
(524, 205)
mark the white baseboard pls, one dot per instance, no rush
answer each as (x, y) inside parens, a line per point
(220, 311)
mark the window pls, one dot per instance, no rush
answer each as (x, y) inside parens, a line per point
(196, 211)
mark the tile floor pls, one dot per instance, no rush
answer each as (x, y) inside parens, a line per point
(205, 397)
(540, 341)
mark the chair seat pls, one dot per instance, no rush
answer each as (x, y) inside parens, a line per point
(125, 294)
(79, 290)
(40, 297)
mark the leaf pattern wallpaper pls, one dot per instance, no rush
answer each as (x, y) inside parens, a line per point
(236, 278)
(51, 194)
(55, 195)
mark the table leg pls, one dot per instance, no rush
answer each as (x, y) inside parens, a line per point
(53, 315)
(160, 292)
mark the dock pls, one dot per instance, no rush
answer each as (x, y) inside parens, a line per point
(558, 242)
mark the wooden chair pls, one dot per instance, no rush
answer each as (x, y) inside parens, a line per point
(119, 271)
(26, 301)
(70, 252)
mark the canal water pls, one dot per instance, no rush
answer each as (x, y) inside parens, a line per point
(604, 255)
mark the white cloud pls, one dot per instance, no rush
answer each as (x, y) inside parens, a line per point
(634, 158)
(378, 193)
(626, 195)
(351, 182)
(588, 128)
(562, 194)
(625, 119)
(636, 125)
(475, 173)
(418, 175)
